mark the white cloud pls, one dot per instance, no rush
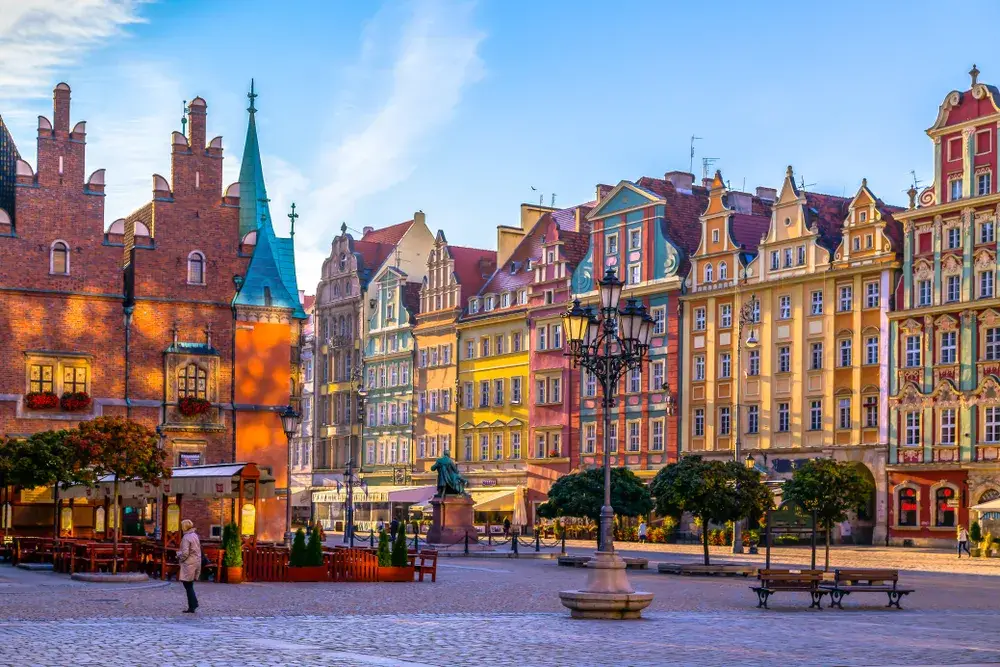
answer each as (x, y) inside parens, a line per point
(437, 58)
(39, 36)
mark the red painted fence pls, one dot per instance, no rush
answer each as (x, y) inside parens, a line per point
(269, 563)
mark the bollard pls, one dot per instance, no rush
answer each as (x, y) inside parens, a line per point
(562, 545)
(489, 535)
(538, 543)
(371, 539)
(513, 543)
(466, 543)
(416, 540)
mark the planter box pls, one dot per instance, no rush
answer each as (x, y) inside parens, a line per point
(975, 553)
(234, 575)
(312, 573)
(389, 573)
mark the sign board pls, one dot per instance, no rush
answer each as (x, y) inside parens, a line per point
(173, 518)
(248, 518)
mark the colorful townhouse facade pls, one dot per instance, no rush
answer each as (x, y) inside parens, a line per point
(190, 296)
(454, 275)
(804, 379)
(944, 389)
(644, 230)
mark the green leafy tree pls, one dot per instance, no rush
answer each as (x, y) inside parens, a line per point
(314, 550)
(975, 533)
(298, 556)
(399, 555)
(231, 545)
(581, 495)
(712, 491)
(123, 448)
(830, 488)
(384, 556)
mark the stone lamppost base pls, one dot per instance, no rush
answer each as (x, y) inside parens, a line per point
(608, 594)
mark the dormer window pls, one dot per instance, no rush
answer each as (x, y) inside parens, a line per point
(528, 264)
(196, 268)
(715, 236)
(59, 259)
(505, 300)
(489, 303)
(267, 297)
(522, 297)
(513, 268)
(863, 216)
(390, 312)
(550, 256)
(474, 305)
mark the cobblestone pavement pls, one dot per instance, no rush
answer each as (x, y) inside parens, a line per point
(486, 612)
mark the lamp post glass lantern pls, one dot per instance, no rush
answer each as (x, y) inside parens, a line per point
(289, 422)
(608, 343)
(350, 478)
(749, 317)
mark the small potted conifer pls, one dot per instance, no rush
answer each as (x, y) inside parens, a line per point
(975, 537)
(232, 558)
(306, 561)
(396, 565)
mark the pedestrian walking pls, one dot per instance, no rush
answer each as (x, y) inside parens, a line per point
(393, 528)
(189, 557)
(506, 528)
(642, 532)
(381, 526)
(963, 541)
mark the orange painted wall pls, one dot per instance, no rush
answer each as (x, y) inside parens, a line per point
(263, 367)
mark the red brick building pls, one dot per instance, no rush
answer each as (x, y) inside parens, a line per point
(145, 311)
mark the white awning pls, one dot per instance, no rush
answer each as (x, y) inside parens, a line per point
(495, 501)
(988, 506)
(370, 494)
(209, 481)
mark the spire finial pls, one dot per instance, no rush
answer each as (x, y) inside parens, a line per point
(788, 172)
(343, 228)
(864, 182)
(184, 118)
(292, 216)
(974, 73)
(252, 95)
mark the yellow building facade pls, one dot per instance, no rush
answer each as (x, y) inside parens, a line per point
(806, 383)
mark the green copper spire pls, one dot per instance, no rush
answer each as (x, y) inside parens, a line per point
(253, 194)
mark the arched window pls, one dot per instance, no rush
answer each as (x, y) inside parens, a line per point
(267, 297)
(343, 326)
(723, 271)
(945, 507)
(59, 258)
(988, 495)
(196, 268)
(192, 382)
(907, 512)
(708, 273)
(336, 290)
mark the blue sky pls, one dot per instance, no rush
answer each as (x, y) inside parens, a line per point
(369, 112)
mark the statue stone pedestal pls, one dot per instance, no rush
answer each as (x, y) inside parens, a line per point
(452, 520)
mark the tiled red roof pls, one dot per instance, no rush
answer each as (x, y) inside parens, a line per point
(307, 302)
(827, 213)
(373, 254)
(575, 245)
(411, 300)
(893, 229)
(682, 213)
(748, 229)
(391, 234)
(473, 267)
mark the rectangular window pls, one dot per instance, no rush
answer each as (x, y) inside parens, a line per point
(699, 422)
(470, 349)
(725, 365)
(633, 435)
(816, 357)
(788, 257)
(484, 447)
(801, 255)
(924, 293)
(753, 363)
(542, 335)
(784, 307)
(956, 189)
(753, 419)
(515, 391)
(657, 369)
(871, 411)
(699, 368)
(774, 260)
(755, 310)
(725, 316)
(846, 302)
(954, 292)
(484, 394)
(983, 183)
(817, 303)
(659, 315)
(555, 390)
(948, 426)
(912, 429)
(613, 437)
(423, 358)
(468, 448)
(986, 232)
(540, 397)
(467, 395)
(557, 337)
(993, 344)
(871, 295)
(949, 347)
(633, 274)
(815, 415)
(783, 417)
(498, 344)
(986, 284)
(515, 341)
(992, 424)
(515, 445)
(422, 402)
(41, 378)
(871, 350)
(846, 355)
(912, 351)
(724, 425)
(611, 244)
(589, 384)
(634, 380)
(634, 239)
(589, 438)
(699, 319)
(656, 435)
(954, 237)
(498, 392)
(434, 357)
(784, 359)
(484, 346)
(498, 447)
(844, 413)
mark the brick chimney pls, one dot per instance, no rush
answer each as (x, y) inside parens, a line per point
(60, 105)
(766, 194)
(681, 180)
(741, 202)
(419, 218)
(197, 112)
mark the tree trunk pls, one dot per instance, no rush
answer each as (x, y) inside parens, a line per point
(117, 516)
(55, 503)
(826, 565)
(704, 538)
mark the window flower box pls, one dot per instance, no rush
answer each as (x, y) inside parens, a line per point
(193, 407)
(75, 401)
(41, 400)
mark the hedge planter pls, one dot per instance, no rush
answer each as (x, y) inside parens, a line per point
(193, 407)
(975, 553)
(75, 401)
(309, 573)
(395, 574)
(234, 575)
(41, 400)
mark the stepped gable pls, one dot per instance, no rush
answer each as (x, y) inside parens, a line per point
(827, 213)
(681, 217)
(473, 267)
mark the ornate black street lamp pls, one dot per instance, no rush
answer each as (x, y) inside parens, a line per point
(289, 422)
(350, 478)
(608, 343)
(748, 318)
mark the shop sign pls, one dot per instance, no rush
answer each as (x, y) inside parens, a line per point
(489, 482)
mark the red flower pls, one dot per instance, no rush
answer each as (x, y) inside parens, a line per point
(41, 400)
(73, 401)
(191, 407)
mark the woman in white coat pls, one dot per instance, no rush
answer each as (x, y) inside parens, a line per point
(189, 557)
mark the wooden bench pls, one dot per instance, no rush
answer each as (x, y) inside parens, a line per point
(847, 581)
(573, 561)
(636, 563)
(424, 562)
(773, 581)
